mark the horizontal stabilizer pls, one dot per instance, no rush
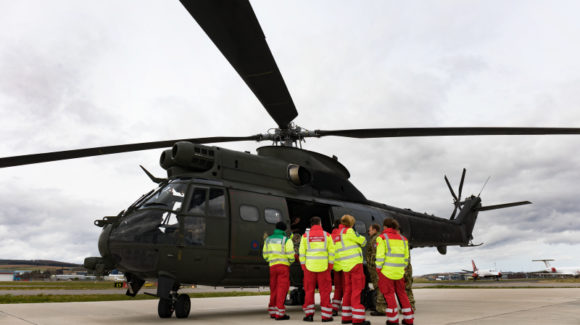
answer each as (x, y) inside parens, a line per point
(502, 206)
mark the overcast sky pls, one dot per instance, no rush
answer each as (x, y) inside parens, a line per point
(77, 74)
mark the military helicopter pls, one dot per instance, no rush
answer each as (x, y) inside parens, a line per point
(174, 233)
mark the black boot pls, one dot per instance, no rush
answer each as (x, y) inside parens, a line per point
(335, 313)
(327, 320)
(285, 317)
(309, 318)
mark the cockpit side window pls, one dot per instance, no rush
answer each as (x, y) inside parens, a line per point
(216, 204)
(198, 200)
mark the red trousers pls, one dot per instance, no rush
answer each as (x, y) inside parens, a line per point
(338, 289)
(324, 288)
(393, 289)
(354, 283)
(279, 285)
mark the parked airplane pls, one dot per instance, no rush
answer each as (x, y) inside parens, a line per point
(477, 273)
(571, 270)
(71, 277)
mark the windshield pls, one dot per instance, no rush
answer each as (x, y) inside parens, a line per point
(168, 197)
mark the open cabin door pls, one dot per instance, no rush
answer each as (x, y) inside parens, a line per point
(300, 214)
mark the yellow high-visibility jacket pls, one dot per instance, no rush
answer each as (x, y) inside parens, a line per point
(278, 249)
(348, 251)
(316, 249)
(392, 254)
(336, 239)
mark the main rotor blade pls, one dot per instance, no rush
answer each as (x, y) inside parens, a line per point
(235, 30)
(443, 131)
(98, 151)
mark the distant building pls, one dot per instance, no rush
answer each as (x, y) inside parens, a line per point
(6, 275)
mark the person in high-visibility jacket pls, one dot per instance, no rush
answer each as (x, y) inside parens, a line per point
(338, 275)
(316, 259)
(348, 252)
(279, 253)
(392, 257)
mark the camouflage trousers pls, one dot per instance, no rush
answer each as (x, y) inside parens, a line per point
(380, 303)
(409, 284)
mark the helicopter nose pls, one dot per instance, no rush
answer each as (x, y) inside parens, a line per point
(132, 244)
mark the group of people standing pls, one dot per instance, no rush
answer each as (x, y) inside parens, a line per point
(321, 253)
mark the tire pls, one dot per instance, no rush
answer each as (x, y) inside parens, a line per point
(182, 306)
(164, 308)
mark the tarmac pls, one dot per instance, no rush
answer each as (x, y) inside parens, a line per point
(434, 306)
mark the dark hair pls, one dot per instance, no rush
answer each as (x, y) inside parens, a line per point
(336, 223)
(391, 223)
(376, 227)
(281, 225)
(315, 221)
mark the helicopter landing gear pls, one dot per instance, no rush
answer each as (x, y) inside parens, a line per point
(170, 300)
(165, 308)
(181, 304)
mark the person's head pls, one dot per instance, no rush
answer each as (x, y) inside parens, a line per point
(296, 221)
(374, 228)
(281, 225)
(314, 221)
(336, 223)
(391, 223)
(347, 220)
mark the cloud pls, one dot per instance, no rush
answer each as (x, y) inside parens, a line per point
(74, 75)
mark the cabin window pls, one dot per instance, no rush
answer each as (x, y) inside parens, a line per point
(360, 227)
(216, 203)
(249, 213)
(194, 230)
(197, 202)
(272, 215)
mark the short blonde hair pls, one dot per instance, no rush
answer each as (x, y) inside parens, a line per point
(347, 220)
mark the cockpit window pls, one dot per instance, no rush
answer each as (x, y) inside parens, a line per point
(197, 202)
(168, 197)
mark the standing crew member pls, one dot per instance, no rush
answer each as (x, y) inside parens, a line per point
(316, 259)
(349, 253)
(371, 252)
(338, 275)
(279, 253)
(392, 257)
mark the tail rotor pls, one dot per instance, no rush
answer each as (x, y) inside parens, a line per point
(456, 198)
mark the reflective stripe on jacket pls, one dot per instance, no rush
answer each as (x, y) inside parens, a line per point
(336, 239)
(392, 254)
(347, 250)
(316, 249)
(278, 249)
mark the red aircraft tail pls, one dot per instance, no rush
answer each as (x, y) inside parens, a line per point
(474, 267)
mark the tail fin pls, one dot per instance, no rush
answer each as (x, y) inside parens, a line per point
(546, 262)
(474, 267)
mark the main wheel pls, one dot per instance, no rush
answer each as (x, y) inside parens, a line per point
(165, 308)
(182, 306)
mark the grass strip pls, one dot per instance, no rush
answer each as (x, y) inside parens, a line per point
(26, 299)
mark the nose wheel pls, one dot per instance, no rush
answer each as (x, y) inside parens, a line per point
(181, 304)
